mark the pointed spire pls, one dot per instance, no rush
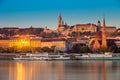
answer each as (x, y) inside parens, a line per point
(59, 19)
(59, 14)
(104, 43)
(104, 21)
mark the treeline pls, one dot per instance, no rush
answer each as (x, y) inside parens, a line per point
(27, 50)
(82, 48)
(21, 31)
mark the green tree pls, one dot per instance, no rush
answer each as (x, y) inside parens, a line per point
(80, 48)
(84, 49)
(102, 49)
(1, 49)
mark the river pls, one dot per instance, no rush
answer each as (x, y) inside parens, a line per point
(59, 70)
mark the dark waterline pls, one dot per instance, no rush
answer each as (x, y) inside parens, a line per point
(59, 70)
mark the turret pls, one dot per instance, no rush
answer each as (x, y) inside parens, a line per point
(98, 24)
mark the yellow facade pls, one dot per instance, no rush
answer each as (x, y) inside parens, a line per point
(59, 44)
(33, 43)
(4, 43)
(20, 43)
(25, 43)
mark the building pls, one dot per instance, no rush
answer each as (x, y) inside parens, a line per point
(96, 43)
(25, 43)
(84, 28)
(98, 37)
(61, 25)
(59, 44)
(110, 29)
(46, 30)
(29, 42)
(4, 43)
(104, 42)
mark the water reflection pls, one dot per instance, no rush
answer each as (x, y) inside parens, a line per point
(32, 70)
(59, 70)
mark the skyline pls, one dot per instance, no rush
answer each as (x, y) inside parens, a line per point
(20, 13)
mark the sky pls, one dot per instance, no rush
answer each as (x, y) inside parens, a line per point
(41, 13)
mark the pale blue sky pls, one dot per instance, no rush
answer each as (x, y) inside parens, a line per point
(38, 13)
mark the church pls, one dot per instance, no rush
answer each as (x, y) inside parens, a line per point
(62, 26)
(102, 37)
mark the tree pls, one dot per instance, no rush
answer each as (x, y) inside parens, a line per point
(84, 49)
(1, 49)
(102, 49)
(80, 48)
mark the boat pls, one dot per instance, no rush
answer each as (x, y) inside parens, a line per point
(96, 56)
(59, 57)
(30, 56)
(42, 56)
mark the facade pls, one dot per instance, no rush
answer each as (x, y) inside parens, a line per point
(60, 44)
(96, 44)
(110, 29)
(25, 42)
(5, 43)
(84, 28)
(28, 43)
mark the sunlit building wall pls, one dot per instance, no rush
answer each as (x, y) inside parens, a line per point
(110, 29)
(26, 43)
(33, 43)
(60, 44)
(84, 28)
(4, 43)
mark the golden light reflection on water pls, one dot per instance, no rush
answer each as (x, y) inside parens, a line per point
(20, 71)
(60, 70)
(35, 70)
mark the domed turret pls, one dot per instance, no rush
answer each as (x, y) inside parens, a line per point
(98, 24)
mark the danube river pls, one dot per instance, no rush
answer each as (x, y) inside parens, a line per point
(59, 70)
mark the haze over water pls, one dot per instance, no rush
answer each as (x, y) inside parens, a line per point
(59, 70)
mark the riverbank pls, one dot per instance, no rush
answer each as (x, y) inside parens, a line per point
(7, 56)
(72, 56)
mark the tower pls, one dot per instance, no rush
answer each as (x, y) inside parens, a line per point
(104, 42)
(59, 19)
(61, 26)
(98, 26)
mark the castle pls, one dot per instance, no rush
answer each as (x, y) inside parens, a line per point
(63, 40)
(65, 29)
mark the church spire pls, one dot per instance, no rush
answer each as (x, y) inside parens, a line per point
(104, 42)
(59, 19)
